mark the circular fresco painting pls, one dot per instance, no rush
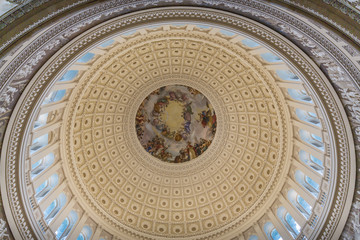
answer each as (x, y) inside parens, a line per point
(175, 123)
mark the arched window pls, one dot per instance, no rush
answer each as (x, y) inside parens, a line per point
(51, 211)
(288, 221)
(312, 161)
(200, 26)
(41, 121)
(54, 96)
(129, 33)
(250, 43)
(86, 58)
(311, 139)
(253, 237)
(307, 117)
(300, 204)
(303, 205)
(271, 232)
(69, 75)
(307, 183)
(295, 227)
(62, 228)
(46, 187)
(287, 75)
(270, 57)
(85, 233)
(275, 235)
(107, 43)
(300, 95)
(39, 143)
(227, 33)
(41, 165)
(66, 226)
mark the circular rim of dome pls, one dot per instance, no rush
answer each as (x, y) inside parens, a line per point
(164, 169)
(14, 117)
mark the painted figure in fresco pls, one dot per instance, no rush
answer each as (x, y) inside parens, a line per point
(167, 133)
(157, 148)
(140, 120)
(213, 124)
(187, 127)
(158, 125)
(191, 151)
(193, 91)
(188, 108)
(178, 137)
(172, 96)
(161, 104)
(162, 137)
(184, 98)
(187, 117)
(157, 91)
(208, 119)
(205, 117)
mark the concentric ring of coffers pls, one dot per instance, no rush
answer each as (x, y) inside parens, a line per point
(220, 188)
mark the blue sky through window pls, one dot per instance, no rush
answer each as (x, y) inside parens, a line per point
(129, 33)
(46, 162)
(41, 121)
(203, 26)
(312, 183)
(227, 33)
(69, 75)
(107, 43)
(250, 43)
(62, 228)
(299, 95)
(49, 209)
(304, 204)
(312, 114)
(316, 137)
(316, 160)
(54, 96)
(85, 234)
(275, 235)
(41, 187)
(270, 57)
(39, 143)
(287, 75)
(293, 224)
(59, 95)
(85, 58)
(253, 237)
(36, 164)
(80, 237)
